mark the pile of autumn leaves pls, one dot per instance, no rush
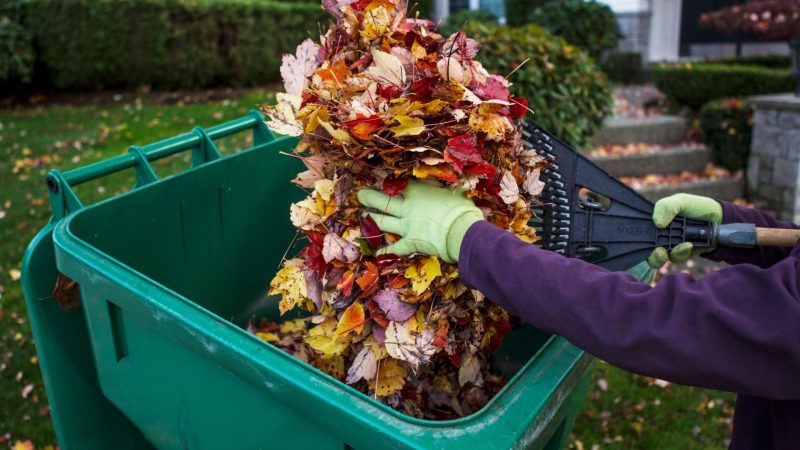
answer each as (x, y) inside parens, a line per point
(381, 100)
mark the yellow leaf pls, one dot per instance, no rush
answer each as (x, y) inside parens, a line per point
(352, 320)
(423, 273)
(338, 135)
(332, 366)
(418, 51)
(269, 337)
(290, 283)
(390, 379)
(293, 326)
(317, 113)
(408, 126)
(323, 339)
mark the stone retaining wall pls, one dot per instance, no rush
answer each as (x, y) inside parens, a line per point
(773, 171)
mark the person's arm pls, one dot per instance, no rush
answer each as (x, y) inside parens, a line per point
(760, 256)
(737, 329)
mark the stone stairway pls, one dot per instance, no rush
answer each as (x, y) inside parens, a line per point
(649, 154)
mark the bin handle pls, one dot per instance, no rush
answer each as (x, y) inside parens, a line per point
(200, 140)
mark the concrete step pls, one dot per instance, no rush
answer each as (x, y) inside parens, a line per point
(722, 189)
(651, 130)
(666, 161)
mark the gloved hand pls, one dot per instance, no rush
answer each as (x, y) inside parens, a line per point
(429, 219)
(691, 206)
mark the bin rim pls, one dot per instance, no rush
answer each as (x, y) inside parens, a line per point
(65, 240)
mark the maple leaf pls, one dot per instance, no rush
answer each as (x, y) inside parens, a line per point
(394, 308)
(462, 150)
(376, 314)
(352, 320)
(335, 75)
(283, 116)
(470, 370)
(509, 191)
(364, 128)
(368, 279)
(365, 366)
(532, 184)
(407, 126)
(296, 69)
(387, 69)
(496, 87)
(336, 247)
(370, 232)
(394, 186)
(423, 273)
(390, 379)
(323, 338)
(66, 293)
(519, 107)
(450, 69)
(304, 214)
(400, 343)
(290, 283)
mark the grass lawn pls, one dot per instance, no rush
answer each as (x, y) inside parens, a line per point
(624, 410)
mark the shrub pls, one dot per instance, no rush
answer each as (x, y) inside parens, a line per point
(518, 11)
(16, 52)
(727, 126)
(773, 61)
(569, 95)
(624, 67)
(590, 25)
(97, 44)
(454, 22)
(694, 84)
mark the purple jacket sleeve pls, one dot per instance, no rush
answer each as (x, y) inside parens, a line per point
(737, 329)
(760, 256)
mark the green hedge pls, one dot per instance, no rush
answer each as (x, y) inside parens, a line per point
(727, 126)
(588, 24)
(624, 67)
(568, 94)
(695, 84)
(168, 44)
(16, 52)
(774, 61)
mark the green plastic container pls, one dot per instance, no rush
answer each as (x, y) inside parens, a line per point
(155, 356)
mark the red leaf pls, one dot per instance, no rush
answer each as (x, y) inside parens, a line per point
(482, 168)
(518, 108)
(501, 328)
(317, 238)
(394, 186)
(390, 92)
(388, 260)
(364, 127)
(371, 232)
(494, 89)
(423, 89)
(440, 340)
(314, 259)
(376, 314)
(461, 150)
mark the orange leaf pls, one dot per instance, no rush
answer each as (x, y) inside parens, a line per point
(334, 75)
(346, 283)
(352, 320)
(369, 278)
(441, 171)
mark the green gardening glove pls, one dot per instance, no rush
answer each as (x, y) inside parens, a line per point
(429, 219)
(691, 206)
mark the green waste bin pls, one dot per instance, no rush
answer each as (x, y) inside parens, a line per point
(155, 356)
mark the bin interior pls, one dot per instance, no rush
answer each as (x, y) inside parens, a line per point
(216, 235)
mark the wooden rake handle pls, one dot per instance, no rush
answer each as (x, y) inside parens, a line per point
(777, 237)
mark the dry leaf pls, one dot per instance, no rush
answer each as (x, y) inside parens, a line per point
(290, 283)
(352, 320)
(336, 247)
(532, 184)
(67, 293)
(297, 69)
(323, 338)
(407, 126)
(391, 378)
(365, 366)
(509, 191)
(387, 69)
